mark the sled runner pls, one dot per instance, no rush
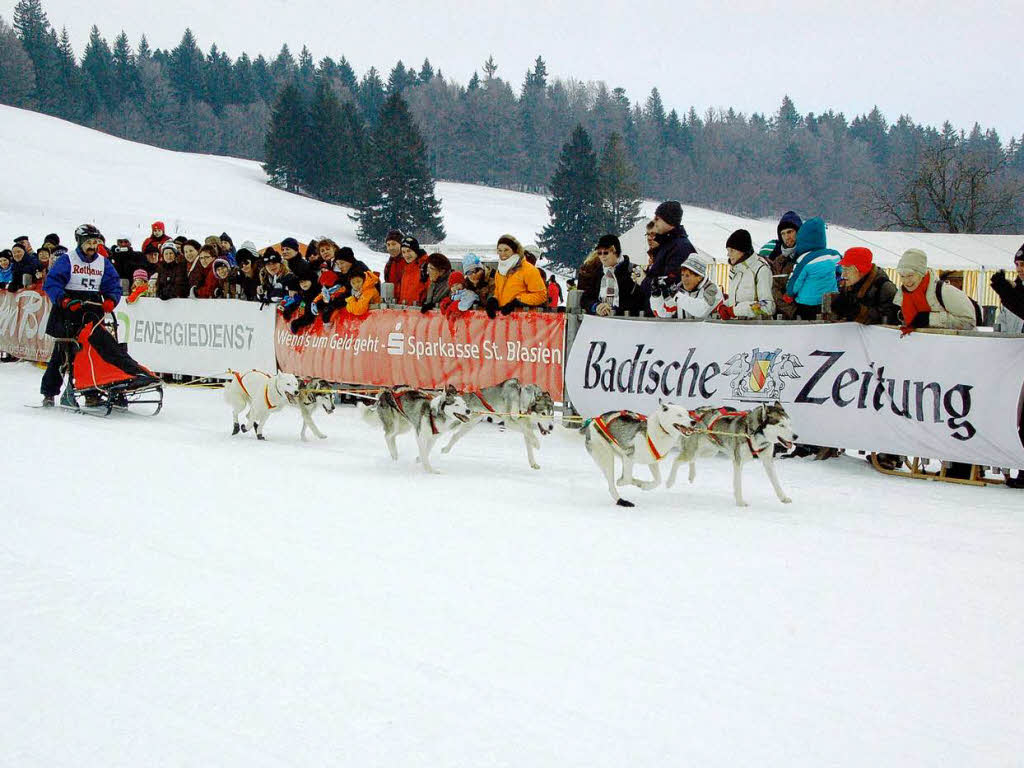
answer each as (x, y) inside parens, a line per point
(917, 468)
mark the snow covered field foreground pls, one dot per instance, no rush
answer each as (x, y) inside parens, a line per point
(170, 595)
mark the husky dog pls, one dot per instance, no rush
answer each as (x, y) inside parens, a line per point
(428, 415)
(635, 439)
(536, 407)
(261, 393)
(312, 393)
(742, 435)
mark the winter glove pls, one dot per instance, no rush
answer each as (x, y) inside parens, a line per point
(427, 306)
(998, 281)
(108, 306)
(921, 320)
(725, 312)
(314, 308)
(511, 307)
(325, 295)
(787, 298)
(71, 305)
(491, 307)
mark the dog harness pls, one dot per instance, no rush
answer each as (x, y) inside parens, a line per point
(484, 401)
(266, 396)
(602, 425)
(398, 402)
(722, 414)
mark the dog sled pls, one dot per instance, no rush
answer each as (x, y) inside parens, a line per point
(104, 377)
(918, 469)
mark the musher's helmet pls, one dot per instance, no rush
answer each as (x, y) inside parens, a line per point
(86, 232)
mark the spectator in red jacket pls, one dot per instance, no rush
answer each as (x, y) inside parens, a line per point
(395, 264)
(413, 287)
(156, 237)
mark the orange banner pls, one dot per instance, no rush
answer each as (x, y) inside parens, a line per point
(389, 347)
(23, 317)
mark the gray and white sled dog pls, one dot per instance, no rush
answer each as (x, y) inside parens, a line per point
(536, 407)
(427, 414)
(312, 394)
(262, 394)
(635, 439)
(742, 435)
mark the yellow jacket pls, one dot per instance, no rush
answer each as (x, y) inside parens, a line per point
(523, 283)
(369, 295)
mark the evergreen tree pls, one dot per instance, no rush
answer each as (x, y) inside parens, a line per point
(399, 189)
(426, 72)
(98, 69)
(39, 41)
(127, 84)
(243, 87)
(490, 67)
(263, 79)
(285, 150)
(144, 50)
(574, 203)
(347, 75)
(217, 79)
(619, 188)
(282, 69)
(185, 69)
(371, 96)
(398, 80)
(336, 148)
(17, 73)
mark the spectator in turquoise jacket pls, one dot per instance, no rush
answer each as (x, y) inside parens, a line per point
(815, 271)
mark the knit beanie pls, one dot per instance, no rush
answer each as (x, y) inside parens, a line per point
(290, 242)
(470, 262)
(1019, 255)
(697, 263)
(913, 260)
(511, 242)
(345, 254)
(168, 246)
(671, 212)
(52, 238)
(158, 225)
(328, 278)
(860, 258)
(218, 263)
(411, 243)
(610, 241)
(271, 256)
(140, 274)
(740, 241)
(455, 278)
(394, 236)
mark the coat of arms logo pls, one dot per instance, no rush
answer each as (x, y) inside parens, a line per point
(761, 374)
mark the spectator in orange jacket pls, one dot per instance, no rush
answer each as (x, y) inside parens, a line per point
(363, 285)
(413, 287)
(518, 283)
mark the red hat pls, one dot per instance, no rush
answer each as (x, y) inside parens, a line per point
(159, 225)
(328, 278)
(858, 257)
(455, 278)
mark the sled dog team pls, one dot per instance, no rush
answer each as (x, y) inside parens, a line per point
(630, 437)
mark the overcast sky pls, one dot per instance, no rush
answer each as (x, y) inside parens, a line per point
(933, 60)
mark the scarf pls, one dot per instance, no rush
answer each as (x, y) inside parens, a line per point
(507, 265)
(916, 301)
(609, 292)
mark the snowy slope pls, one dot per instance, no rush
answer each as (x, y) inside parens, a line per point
(173, 596)
(62, 174)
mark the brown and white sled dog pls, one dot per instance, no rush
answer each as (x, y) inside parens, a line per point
(635, 439)
(742, 435)
(425, 413)
(535, 406)
(262, 394)
(312, 393)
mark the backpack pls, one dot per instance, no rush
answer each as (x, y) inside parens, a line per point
(978, 319)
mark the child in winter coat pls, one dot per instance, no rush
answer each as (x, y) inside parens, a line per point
(140, 285)
(815, 272)
(302, 290)
(6, 270)
(218, 281)
(332, 296)
(697, 294)
(438, 269)
(461, 300)
(363, 286)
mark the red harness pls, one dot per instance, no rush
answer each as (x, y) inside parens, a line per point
(266, 395)
(724, 413)
(602, 425)
(484, 401)
(398, 402)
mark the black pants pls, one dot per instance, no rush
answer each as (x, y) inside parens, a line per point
(53, 379)
(807, 311)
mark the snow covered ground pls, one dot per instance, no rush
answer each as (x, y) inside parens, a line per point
(170, 595)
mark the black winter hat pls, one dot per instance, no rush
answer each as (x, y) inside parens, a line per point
(345, 254)
(740, 240)
(271, 256)
(671, 212)
(1019, 255)
(290, 242)
(395, 235)
(52, 238)
(226, 236)
(412, 243)
(610, 241)
(19, 238)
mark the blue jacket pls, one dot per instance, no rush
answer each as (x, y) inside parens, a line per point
(28, 265)
(6, 275)
(815, 271)
(59, 274)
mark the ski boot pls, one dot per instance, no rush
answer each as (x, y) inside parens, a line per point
(48, 401)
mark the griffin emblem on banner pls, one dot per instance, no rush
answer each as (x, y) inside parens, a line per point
(761, 374)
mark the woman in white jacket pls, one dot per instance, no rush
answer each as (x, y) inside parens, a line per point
(750, 281)
(698, 294)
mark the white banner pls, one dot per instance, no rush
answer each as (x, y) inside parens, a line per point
(199, 337)
(956, 398)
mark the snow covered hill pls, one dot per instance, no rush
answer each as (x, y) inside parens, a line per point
(58, 175)
(173, 596)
